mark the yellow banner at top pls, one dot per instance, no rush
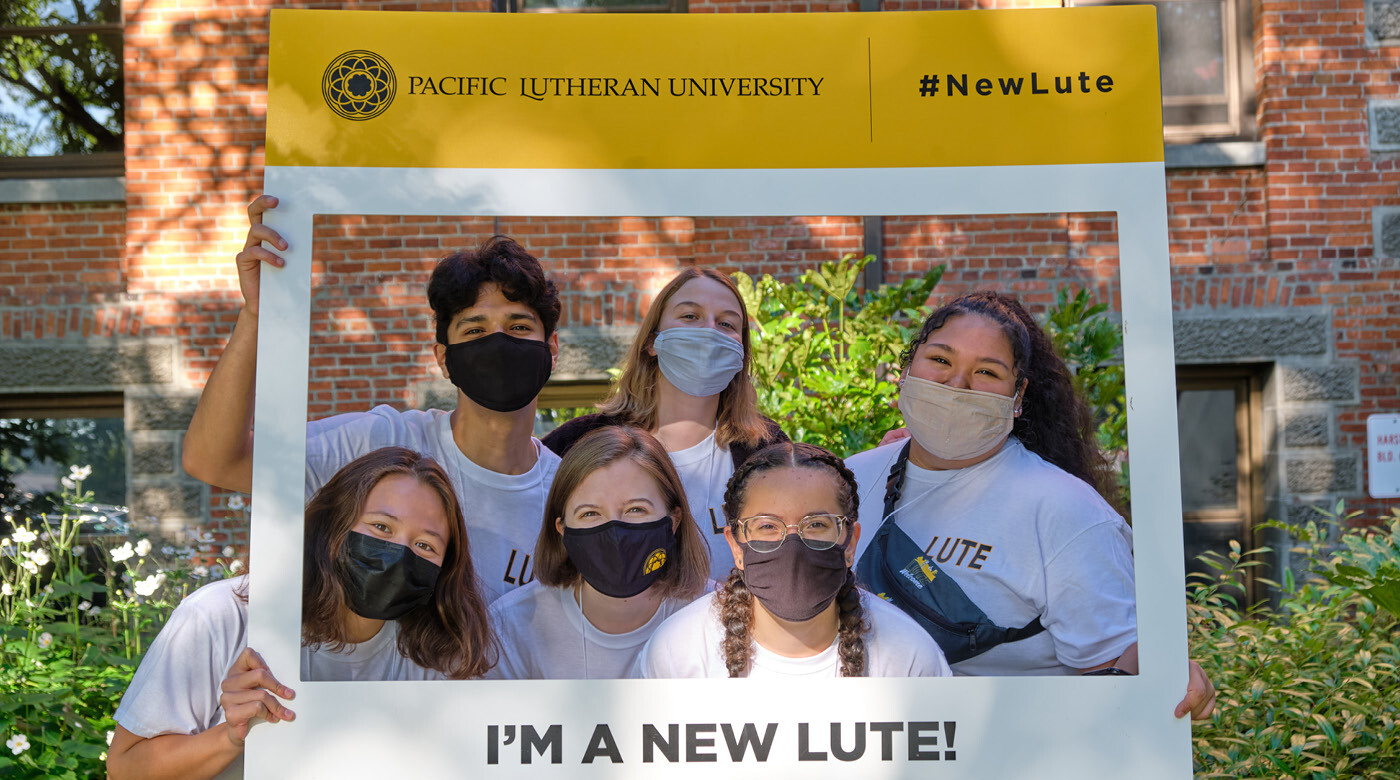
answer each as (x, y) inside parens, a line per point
(842, 90)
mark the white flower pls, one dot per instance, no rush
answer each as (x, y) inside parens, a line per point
(48, 589)
(235, 567)
(199, 571)
(78, 549)
(6, 590)
(84, 606)
(95, 611)
(45, 639)
(204, 537)
(228, 551)
(40, 557)
(110, 734)
(17, 743)
(149, 585)
(79, 474)
(143, 548)
(236, 502)
(167, 550)
(25, 536)
(123, 552)
(29, 566)
(67, 483)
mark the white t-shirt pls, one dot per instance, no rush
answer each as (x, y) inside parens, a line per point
(502, 511)
(545, 636)
(705, 470)
(176, 688)
(1023, 539)
(690, 645)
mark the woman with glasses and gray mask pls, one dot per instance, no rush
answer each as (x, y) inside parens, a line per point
(791, 608)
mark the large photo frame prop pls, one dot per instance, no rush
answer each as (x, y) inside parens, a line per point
(981, 112)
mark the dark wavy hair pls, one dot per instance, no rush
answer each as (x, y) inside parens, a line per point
(686, 573)
(1055, 422)
(451, 633)
(735, 602)
(457, 280)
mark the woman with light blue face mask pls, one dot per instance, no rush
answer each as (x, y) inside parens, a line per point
(686, 382)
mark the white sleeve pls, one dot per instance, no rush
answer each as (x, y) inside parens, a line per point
(334, 441)
(176, 688)
(1091, 602)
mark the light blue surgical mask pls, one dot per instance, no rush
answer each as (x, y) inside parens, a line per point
(698, 361)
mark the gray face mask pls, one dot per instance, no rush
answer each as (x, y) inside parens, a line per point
(698, 361)
(795, 582)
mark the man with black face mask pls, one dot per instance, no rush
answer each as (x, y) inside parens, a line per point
(495, 314)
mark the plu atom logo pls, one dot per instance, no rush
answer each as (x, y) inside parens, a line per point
(359, 85)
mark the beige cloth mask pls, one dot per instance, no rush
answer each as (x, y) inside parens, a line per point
(955, 424)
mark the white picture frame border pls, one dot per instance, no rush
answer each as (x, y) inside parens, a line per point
(1036, 727)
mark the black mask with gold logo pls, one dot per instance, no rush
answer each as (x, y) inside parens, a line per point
(621, 559)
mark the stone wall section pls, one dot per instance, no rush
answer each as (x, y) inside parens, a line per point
(1292, 265)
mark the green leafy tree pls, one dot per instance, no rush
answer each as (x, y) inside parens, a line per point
(824, 353)
(1310, 688)
(1091, 344)
(63, 75)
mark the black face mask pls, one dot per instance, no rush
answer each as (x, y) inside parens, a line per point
(795, 582)
(621, 559)
(383, 580)
(500, 372)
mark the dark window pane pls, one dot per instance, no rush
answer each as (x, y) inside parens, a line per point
(1209, 454)
(36, 454)
(60, 77)
(578, 5)
(1192, 34)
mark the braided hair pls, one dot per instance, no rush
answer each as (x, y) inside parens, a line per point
(735, 601)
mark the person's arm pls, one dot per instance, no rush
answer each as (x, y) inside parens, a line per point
(247, 693)
(1200, 693)
(218, 446)
(196, 757)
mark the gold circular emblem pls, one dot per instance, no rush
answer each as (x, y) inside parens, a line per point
(359, 85)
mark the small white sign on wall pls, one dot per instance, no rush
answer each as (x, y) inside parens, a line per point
(1383, 455)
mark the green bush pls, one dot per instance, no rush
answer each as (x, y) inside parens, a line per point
(70, 638)
(1091, 345)
(1310, 688)
(824, 354)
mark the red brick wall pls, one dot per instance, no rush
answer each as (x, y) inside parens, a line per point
(1295, 232)
(1322, 181)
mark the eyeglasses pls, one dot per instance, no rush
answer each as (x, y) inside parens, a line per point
(765, 533)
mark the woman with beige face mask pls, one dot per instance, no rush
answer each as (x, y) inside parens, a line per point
(1001, 505)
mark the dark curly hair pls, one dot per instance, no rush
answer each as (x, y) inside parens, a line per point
(735, 602)
(1055, 423)
(457, 280)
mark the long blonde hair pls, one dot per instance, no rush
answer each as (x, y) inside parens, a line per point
(634, 397)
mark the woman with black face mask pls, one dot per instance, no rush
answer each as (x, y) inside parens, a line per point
(388, 594)
(617, 554)
(791, 608)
